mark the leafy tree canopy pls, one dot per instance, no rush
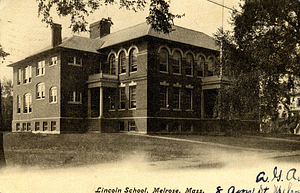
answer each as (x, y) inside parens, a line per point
(160, 18)
(262, 53)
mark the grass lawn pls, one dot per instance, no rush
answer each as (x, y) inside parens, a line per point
(53, 151)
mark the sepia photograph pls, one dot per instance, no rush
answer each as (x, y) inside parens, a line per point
(150, 96)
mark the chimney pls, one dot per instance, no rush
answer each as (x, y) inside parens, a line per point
(56, 34)
(100, 28)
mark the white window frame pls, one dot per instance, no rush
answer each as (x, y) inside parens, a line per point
(122, 63)
(132, 97)
(19, 109)
(179, 98)
(121, 99)
(112, 64)
(166, 64)
(189, 99)
(53, 95)
(27, 103)
(45, 125)
(73, 97)
(53, 126)
(28, 74)
(189, 64)
(37, 126)
(165, 99)
(19, 78)
(40, 91)
(75, 60)
(133, 64)
(40, 70)
(177, 62)
(53, 61)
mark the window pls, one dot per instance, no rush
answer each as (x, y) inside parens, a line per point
(298, 102)
(53, 95)
(37, 126)
(189, 99)
(131, 126)
(18, 104)
(40, 91)
(27, 74)
(176, 98)
(200, 66)
(164, 97)
(133, 60)
(76, 61)
(112, 98)
(53, 61)
(75, 97)
(45, 126)
(19, 76)
(40, 70)
(210, 67)
(27, 103)
(53, 125)
(163, 60)
(28, 126)
(112, 64)
(189, 64)
(122, 63)
(132, 95)
(176, 62)
(122, 98)
(17, 126)
(24, 127)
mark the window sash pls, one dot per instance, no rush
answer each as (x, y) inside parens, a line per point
(41, 90)
(164, 97)
(189, 99)
(112, 64)
(122, 61)
(45, 126)
(41, 68)
(163, 61)
(132, 91)
(53, 95)
(176, 98)
(122, 98)
(37, 126)
(53, 125)
(53, 61)
(27, 103)
(189, 65)
(133, 60)
(177, 63)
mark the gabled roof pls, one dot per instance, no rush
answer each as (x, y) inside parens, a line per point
(180, 34)
(74, 42)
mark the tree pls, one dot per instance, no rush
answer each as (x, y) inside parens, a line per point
(160, 18)
(3, 54)
(6, 104)
(262, 53)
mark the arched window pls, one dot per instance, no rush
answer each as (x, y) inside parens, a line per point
(40, 90)
(200, 66)
(189, 64)
(53, 95)
(210, 67)
(27, 103)
(133, 60)
(112, 64)
(177, 62)
(122, 63)
(163, 60)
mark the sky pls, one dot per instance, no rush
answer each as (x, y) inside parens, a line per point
(22, 32)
